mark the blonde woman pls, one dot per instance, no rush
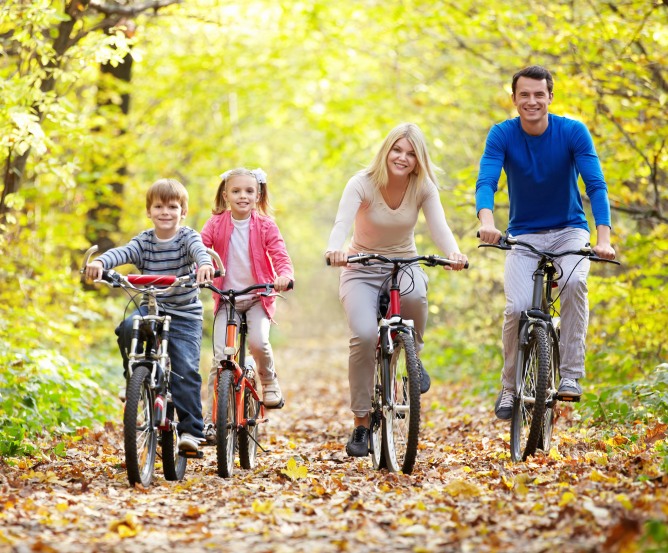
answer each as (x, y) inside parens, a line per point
(381, 204)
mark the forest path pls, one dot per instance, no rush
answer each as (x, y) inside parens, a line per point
(464, 494)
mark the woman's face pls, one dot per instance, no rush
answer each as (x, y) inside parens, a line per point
(401, 159)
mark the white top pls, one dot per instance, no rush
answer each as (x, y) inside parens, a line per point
(383, 230)
(238, 273)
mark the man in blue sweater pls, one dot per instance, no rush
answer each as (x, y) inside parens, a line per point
(542, 155)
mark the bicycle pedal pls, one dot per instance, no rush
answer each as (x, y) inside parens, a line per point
(568, 399)
(191, 454)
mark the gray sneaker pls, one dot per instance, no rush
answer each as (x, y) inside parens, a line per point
(503, 408)
(569, 389)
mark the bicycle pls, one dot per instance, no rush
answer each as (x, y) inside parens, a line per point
(149, 415)
(537, 366)
(395, 411)
(237, 408)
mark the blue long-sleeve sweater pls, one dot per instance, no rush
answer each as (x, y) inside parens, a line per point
(542, 173)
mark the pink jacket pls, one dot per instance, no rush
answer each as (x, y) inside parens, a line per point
(268, 254)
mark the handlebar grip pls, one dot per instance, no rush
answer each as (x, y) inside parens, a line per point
(291, 285)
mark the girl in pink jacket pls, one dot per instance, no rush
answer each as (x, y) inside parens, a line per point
(253, 251)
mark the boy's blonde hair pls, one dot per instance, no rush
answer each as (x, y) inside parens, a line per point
(220, 205)
(424, 168)
(167, 190)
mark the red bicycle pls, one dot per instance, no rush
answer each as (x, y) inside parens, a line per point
(237, 408)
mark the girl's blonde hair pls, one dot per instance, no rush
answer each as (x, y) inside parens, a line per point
(167, 190)
(220, 205)
(424, 168)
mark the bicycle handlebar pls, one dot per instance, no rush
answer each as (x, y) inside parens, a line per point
(428, 260)
(507, 242)
(147, 283)
(266, 286)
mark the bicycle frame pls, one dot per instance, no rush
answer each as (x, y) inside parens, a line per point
(235, 361)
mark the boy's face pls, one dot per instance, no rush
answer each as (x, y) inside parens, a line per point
(166, 217)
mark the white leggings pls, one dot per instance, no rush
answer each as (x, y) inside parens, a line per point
(257, 341)
(518, 285)
(358, 290)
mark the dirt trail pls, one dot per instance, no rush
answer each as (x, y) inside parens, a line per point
(464, 494)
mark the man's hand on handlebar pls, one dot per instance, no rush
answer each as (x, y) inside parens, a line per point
(489, 234)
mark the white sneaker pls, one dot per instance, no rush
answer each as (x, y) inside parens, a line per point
(271, 395)
(188, 442)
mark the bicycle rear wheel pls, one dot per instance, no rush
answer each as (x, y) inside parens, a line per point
(248, 434)
(173, 464)
(226, 423)
(139, 430)
(377, 456)
(530, 404)
(401, 417)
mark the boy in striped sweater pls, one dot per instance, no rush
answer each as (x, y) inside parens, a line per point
(170, 249)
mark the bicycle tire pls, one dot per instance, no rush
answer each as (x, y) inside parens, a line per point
(530, 404)
(173, 464)
(247, 437)
(226, 431)
(545, 441)
(376, 417)
(139, 430)
(401, 418)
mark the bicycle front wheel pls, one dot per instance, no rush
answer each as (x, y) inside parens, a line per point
(173, 464)
(377, 456)
(248, 435)
(401, 416)
(530, 404)
(139, 430)
(226, 423)
(550, 416)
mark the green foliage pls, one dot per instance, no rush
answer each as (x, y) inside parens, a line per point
(307, 91)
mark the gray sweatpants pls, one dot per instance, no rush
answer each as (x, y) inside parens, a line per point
(358, 290)
(257, 340)
(518, 285)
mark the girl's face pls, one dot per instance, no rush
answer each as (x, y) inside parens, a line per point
(241, 194)
(401, 159)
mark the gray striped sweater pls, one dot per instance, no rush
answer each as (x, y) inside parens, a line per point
(178, 256)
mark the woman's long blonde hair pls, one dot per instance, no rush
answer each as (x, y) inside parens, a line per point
(424, 168)
(263, 206)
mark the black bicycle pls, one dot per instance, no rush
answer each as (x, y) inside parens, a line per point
(537, 367)
(395, 414)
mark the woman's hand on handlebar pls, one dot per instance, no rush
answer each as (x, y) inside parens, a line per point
(94, 270)
(281, 284)
(338, 258)
(460, 262)
(205, 273)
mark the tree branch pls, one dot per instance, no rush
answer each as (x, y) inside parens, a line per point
(108, 8)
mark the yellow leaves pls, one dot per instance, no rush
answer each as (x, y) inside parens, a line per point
(624, 500)
(598, 457)
(597, 476)
(126, 527)
(554, 454)
(458, 487)
(617, 440)
(194, 511)
(263, 507)
(294, 471)
(566, 499)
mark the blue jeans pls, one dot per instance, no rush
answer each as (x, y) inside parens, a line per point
(185, 340)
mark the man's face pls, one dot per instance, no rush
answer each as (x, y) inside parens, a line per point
(531, 99)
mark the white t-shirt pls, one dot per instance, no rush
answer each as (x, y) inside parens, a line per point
(238, 273)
